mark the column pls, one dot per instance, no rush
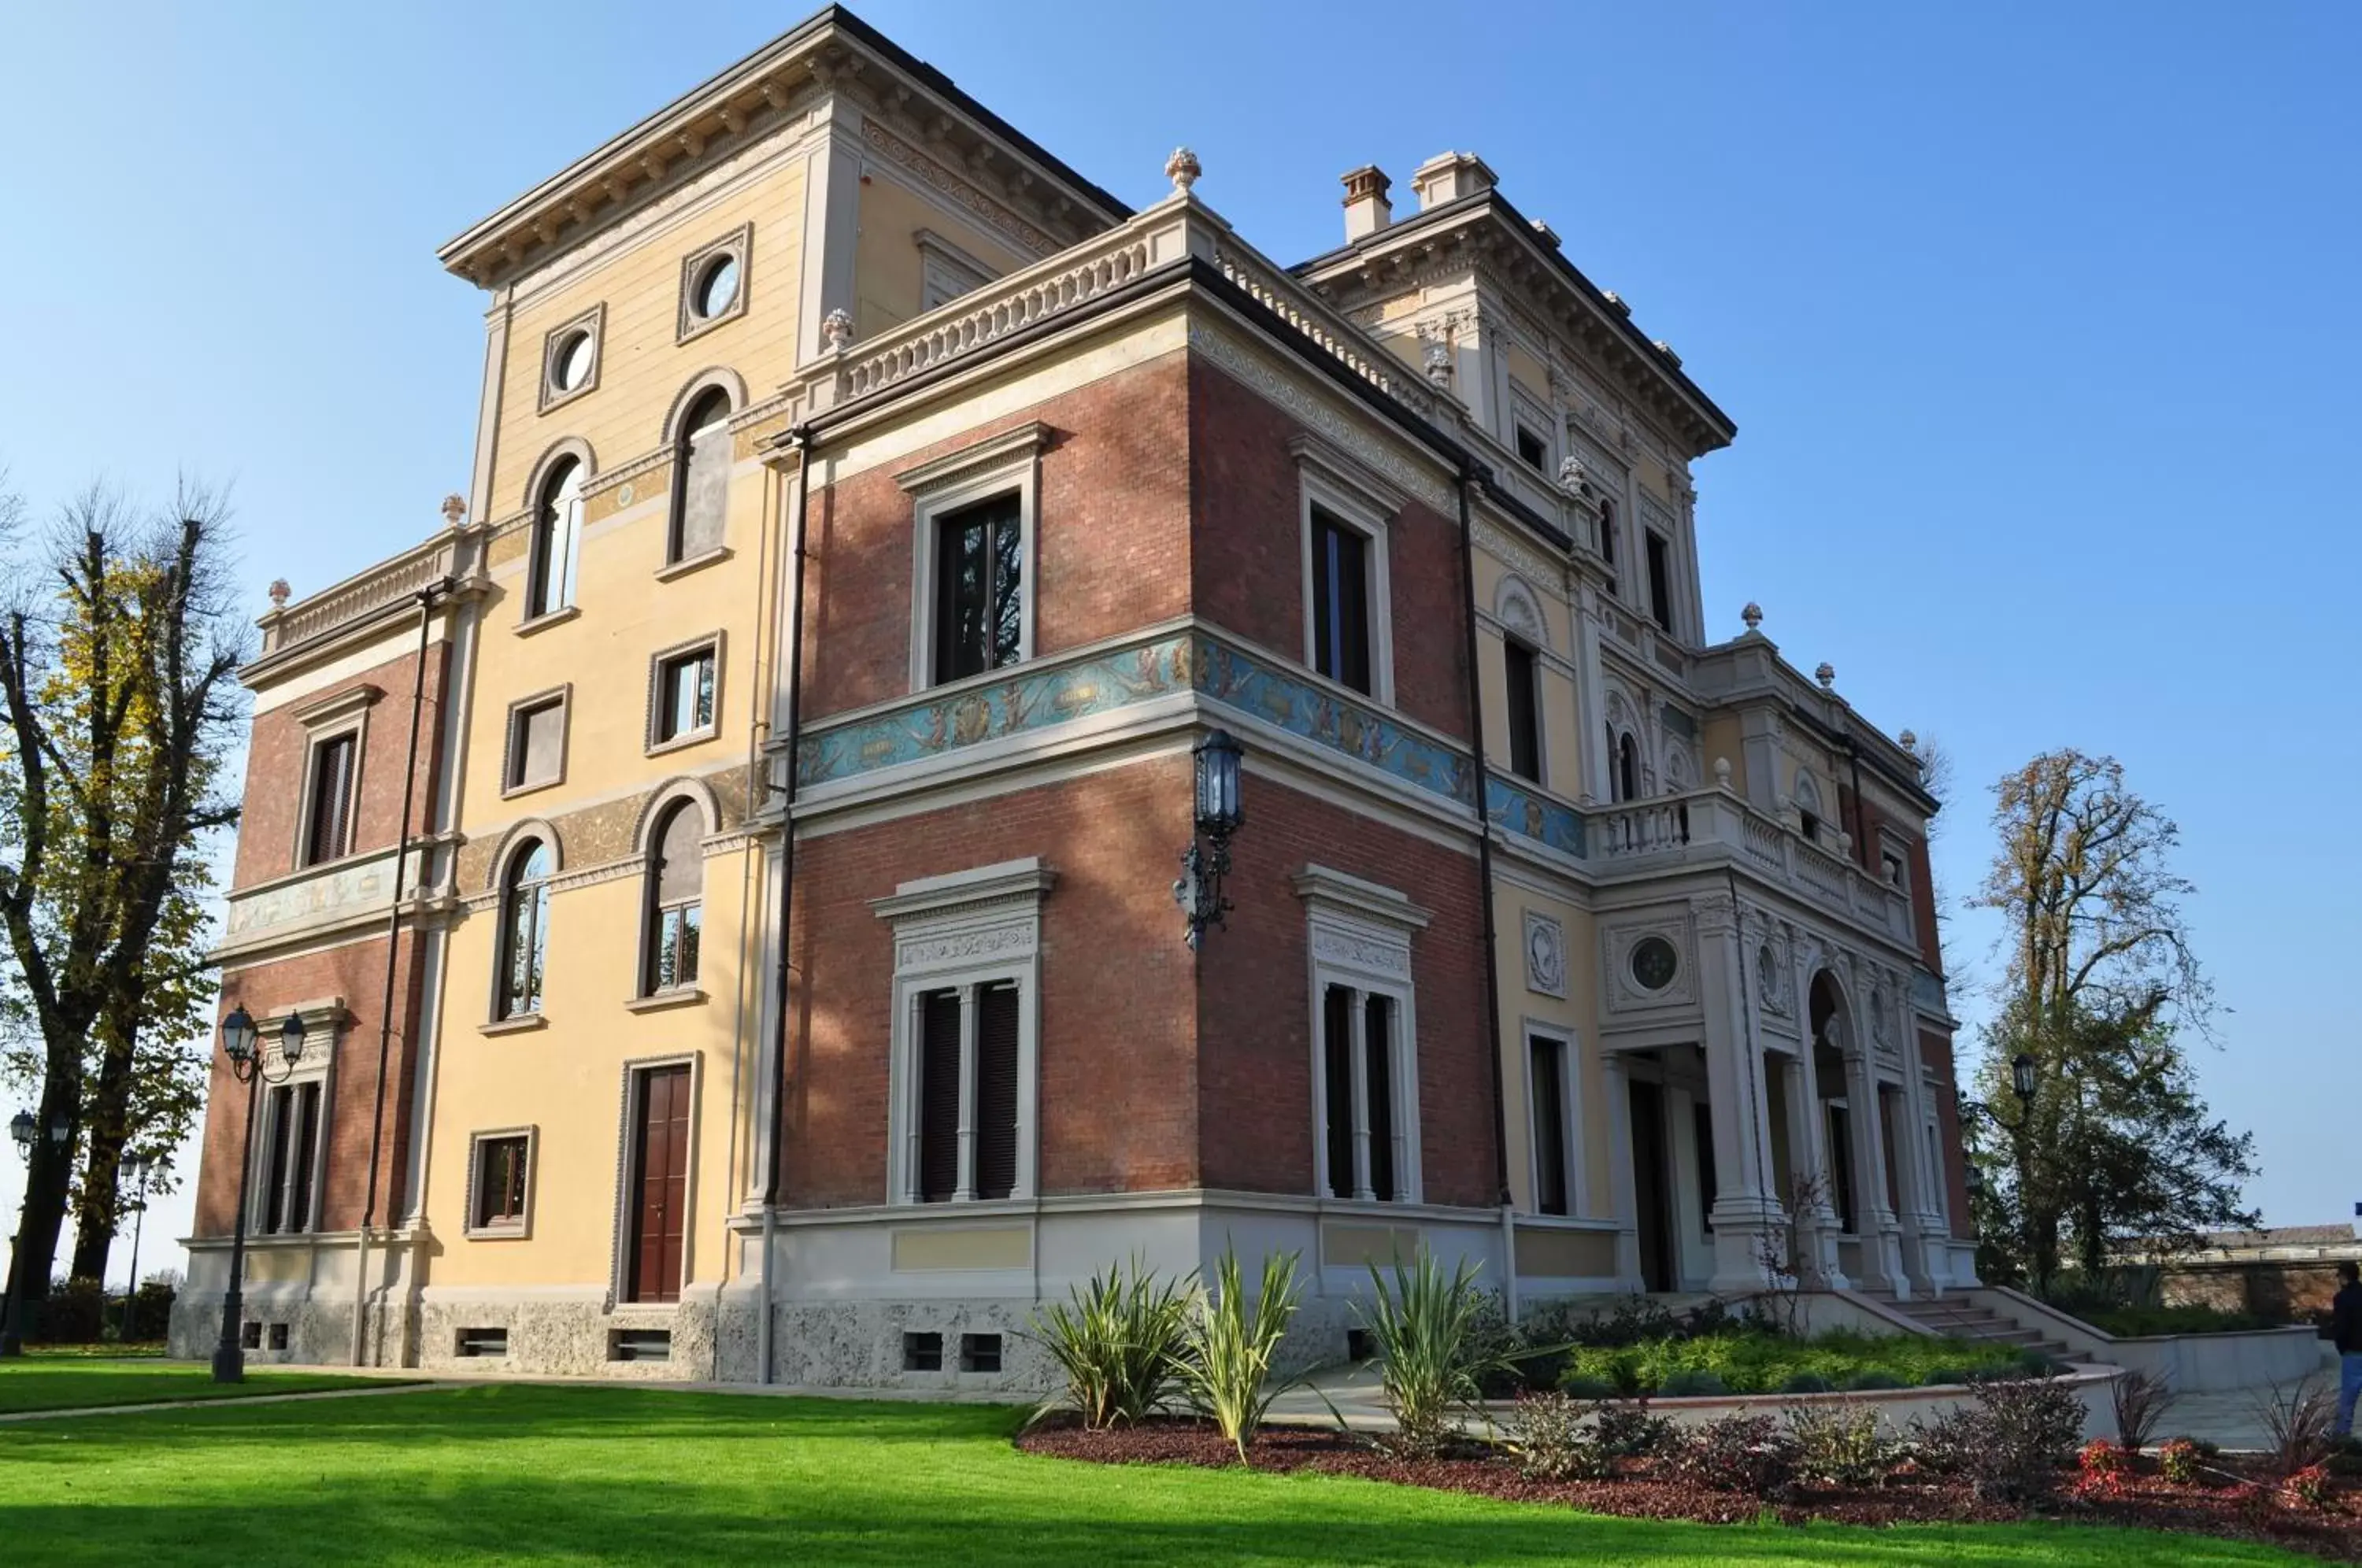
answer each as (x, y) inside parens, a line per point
(1882, 1250)
(1623, 1201)
(966, 1191)
(1358, 1031)
(831, 224)
(1746, 1217)
(1592, 688)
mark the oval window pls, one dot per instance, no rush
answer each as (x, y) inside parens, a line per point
(717, 287)
(573, 361)
(1654, 963)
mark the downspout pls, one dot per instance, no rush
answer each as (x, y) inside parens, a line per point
(1485, 895)
(392, 947)
(1860, 842)
(794, 629)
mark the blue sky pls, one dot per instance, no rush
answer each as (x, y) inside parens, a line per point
(2039, 325)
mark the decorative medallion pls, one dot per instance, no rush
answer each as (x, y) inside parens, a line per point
(1655, 962)
(1545, 955)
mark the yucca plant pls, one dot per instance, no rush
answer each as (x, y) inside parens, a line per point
(1120, 1341)
(1233, 1341)
(1426, 1329)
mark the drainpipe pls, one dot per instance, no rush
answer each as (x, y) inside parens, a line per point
(801, 438)
(427, 597)
(1484, 894)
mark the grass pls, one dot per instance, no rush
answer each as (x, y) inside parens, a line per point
(72, 1382)
(1753, 1361)
(515, 1472)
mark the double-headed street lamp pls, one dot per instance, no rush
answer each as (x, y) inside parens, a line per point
(131, 1167)
(22, 1128)
(2021, 1084)
(246, 1065)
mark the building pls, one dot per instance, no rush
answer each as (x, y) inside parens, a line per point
(934, 504)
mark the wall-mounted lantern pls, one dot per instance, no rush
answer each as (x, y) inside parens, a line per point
(1206, 861)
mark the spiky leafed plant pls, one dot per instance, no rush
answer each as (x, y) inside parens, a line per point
(1431, 1353)
(1119, 1340)
(1232, 1343)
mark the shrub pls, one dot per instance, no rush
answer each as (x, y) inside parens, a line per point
(2178, 1462)
(2298, 1422)
(1692, 1385)
(1118, 1340)
(2134, 1322)
(1809, 1383)
(2309, 1487)
(1844, 1443)
(1227, 1369)
(1754, 1361)
(1425, 1328)
(2139, 1401)
(2101, 1457)
(1551, 1441)
(1631, 1431)
(1737, 1453)
(2037, 1364)
(1871, 1380)
(152, 1310)
(2011, 1442)
(73, 1314)
(1594, 1388)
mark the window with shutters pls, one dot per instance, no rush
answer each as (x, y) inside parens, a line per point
(675, 916)
(701, 480)
(976, 528)
(328, 798)
(1549, 1099)
(535, 756)
(523, 930)
(555, 552)
(1366, 1075)
(964, 1078)
(1519, 671)
(500, 1174)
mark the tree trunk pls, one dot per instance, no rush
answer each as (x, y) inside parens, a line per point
(107, 1122)
(47, 1177)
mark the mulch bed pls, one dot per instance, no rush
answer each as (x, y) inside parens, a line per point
(2143, 1501)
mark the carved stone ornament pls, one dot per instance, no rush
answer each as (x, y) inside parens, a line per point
(1183, 170)
(279, 592)
(1827, 674)
(1436, 356)
(1752, 615)
(1572, 474)
(1771, 981)
(1641, 948)
(836, 330)
(1545, 955)
(455, 510)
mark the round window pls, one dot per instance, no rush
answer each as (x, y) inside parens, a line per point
(717, 287)
(1653, 963)
(570, 366)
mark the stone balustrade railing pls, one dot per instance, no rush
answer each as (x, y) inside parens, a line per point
(401, 578)
(1717, 819)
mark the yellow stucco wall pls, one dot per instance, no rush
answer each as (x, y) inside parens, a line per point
(1575, 1015)
(886, 262)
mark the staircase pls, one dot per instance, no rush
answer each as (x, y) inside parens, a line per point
(1961, 1316)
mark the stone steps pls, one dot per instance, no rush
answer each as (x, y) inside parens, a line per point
(1954, 1318)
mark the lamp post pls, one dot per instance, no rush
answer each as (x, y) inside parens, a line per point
(139, 1168)
(1220, 812)
(2022, 1084)
(247, 1065)
(21, 1128)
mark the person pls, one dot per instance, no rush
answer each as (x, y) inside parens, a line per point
(2346, 1333)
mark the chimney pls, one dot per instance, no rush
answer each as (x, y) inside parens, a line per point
(1448, 176)
(1367, 207)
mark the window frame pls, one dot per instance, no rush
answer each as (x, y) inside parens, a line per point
(1352, 506)
(942, 263)
(474, 1227)
(316, 1067)
(326, 721)
(512, 750)
(594, 322)
(710, 641)
(520, 844)
(979, 471)
(542, 532)
(1359, 936)
(653, 908)
(1535, 711)
(1663, 611)
(738, 245)
(677, 555)
(1570, 1109)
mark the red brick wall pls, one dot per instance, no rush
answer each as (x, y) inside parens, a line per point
(1119, 1100)
(357, 973)
(276, 756)
(1246, 494)
(1113, 552)
(1866, 850)
(1254, 1010)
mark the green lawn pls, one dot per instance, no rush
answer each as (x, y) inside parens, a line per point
(44, 1382)
(510, 1473)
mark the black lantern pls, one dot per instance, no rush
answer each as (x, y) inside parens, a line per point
(2020, 1076)
(1973, 1179)
(21, 1128)
(238, 1037)
(291, 1039)
(1221, 811)
(246, 1063)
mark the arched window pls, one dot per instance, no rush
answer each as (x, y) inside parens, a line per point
(700, 484)
(1627, 767)
(557, 539)
(676, 902)
(524, 929)
(1808, 805)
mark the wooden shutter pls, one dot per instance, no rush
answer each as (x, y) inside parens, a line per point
(1379, 1035)
(1549, 1090)
(1337, 1059)
(995, 1091)
(332, 780)
(939, 1096)
(661, 1211)
(307, 1137)
(279, 1107)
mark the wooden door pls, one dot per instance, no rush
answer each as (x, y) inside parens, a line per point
(660, 1178)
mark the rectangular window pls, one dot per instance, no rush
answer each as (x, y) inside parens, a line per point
(501, 1168)
(1840, 1138)
(979, 588)
(968, 1060)
(1359, 1133)
(1661, 581)
(922, 1352)
(1532, 451)
(1340, 601)
(292, 1125)
(1525, 710)
(684, 696)
(1547, 1086)
(939, 1096)
(980, 1352)
(536, 744)
(329, 813)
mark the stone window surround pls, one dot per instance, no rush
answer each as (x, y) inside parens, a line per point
(323, 1023)
(1358, 935)
(733, 388)
(619, 1279)
(1351, 494)
(1570, 1089)
(657, 661)
(963, 931)
(738, 244)
(1527, 412)
(698, 796)
(945, 271)
(593, 321)
(997, 465)
(523, 1229)
(331, 718)
(564, 697)
(511, 845)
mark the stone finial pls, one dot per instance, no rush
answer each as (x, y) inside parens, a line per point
(1183, 170)
(279, 592)
(1661, 347)
(1572, 474)
(836, 330)
(1827, 674)
(1752, 615)
(1910, 741)
(455, 510)
(1623, 306)
(1722, 773)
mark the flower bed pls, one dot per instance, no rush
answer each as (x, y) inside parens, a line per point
(2231, 1500)
(1753, 1361)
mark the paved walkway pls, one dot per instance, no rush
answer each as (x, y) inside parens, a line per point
(413, 1386)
